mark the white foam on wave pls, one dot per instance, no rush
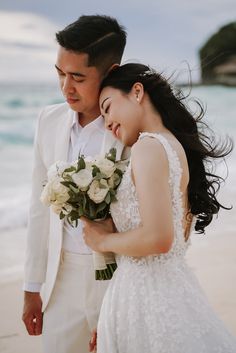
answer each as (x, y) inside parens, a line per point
(14, 211)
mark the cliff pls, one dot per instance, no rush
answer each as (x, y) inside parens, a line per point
(218, 57)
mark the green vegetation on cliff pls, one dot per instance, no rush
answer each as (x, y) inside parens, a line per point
(218, 50)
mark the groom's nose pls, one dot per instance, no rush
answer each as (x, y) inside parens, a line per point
(67, 85)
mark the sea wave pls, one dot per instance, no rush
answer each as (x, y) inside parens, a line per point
(19, 107)
(14, 211)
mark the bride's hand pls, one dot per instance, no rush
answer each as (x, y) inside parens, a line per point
(95, 232)
(93, 342)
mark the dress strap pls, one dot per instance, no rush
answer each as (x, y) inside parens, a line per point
(175, 174)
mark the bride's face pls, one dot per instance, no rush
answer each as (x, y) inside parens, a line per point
(122, 114)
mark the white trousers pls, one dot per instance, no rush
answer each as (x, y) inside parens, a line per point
(73, 309)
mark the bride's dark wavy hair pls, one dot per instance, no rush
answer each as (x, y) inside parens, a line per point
(197, 139)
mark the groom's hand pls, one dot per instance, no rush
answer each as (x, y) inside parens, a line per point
(93, 342)
(32, 313)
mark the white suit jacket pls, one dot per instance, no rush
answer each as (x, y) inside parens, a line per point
(44, 239)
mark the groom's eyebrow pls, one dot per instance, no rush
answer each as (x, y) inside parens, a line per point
(104, 101)
(71, 73)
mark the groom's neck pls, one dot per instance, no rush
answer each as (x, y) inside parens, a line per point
(85, 119)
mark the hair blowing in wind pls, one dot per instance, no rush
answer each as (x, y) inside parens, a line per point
(198, 140)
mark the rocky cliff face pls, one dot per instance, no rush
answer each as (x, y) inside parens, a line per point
(218, 57)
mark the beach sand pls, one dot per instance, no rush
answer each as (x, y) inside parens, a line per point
(212, 257)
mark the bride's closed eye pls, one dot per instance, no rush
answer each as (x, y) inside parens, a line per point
(107, 109)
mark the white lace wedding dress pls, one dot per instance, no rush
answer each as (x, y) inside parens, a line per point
(154, 304)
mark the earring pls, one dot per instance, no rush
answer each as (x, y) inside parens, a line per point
(137, 98)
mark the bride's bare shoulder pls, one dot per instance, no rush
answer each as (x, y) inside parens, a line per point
(148, 150)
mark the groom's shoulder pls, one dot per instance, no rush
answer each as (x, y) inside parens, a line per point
(54, 111)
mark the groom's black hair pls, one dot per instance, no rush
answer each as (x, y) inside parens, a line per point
(99, 36)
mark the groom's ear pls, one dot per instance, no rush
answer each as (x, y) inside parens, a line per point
(113, 67)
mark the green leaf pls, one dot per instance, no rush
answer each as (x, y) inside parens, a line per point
(61, 215)
(84, 201)
(74, 189)
(68, 170)
(95, 170)
(101, 207)
(119, 172)
(74, 215)
(81, 164)
(108, 198)
(73, 197)
(67, 183)
(111, 155)
(81, 211)
(92, 210)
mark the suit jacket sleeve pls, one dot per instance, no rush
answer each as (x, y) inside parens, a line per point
(38, 226)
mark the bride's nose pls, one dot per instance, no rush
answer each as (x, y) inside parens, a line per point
(108, 124)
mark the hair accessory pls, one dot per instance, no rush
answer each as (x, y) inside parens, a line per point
(147, 73)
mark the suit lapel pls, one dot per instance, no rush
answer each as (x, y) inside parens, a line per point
(61, 154)
(63, 133)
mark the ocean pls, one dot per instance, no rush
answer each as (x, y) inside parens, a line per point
(19, 108)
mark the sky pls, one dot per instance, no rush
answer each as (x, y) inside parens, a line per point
(165, 34)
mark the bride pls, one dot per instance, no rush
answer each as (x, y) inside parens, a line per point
(154, 303)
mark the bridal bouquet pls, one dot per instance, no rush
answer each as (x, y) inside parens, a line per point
(86, 187)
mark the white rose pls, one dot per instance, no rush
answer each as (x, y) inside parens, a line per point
(55, 194)
(57, 169)
(57, 207)
(98, 190)
(106, 166)
(83, 178)
(54, 191)
(59, 191)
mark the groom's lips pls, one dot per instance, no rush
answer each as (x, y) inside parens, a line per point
(71, 100)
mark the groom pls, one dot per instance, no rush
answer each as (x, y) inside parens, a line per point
(59, 265)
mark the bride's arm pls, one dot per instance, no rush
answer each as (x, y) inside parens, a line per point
(155, 235)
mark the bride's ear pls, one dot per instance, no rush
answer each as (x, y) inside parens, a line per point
(137, 91)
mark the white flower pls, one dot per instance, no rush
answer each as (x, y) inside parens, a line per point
(53, 192)
(57, 207)
(83, 178)
(106, 166)
(45, 197)
(57, 169)
(59, 191)
(98, 190)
